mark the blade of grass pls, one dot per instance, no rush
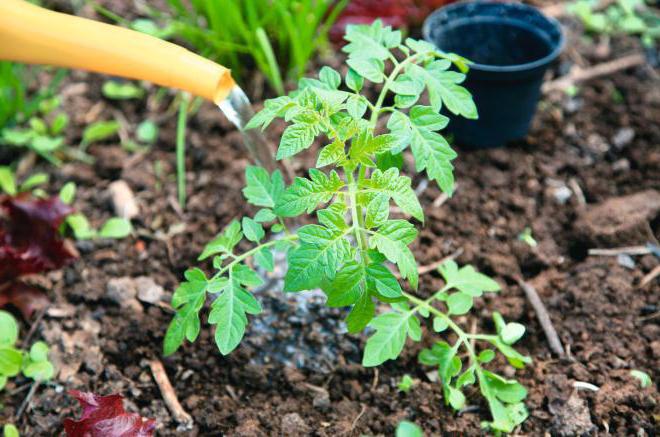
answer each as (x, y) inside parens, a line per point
(275, 76)
(181, 150)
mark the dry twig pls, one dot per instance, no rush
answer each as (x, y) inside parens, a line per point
(630, 250)
(169, 395)
(25, 405)
(543, 317)
(650, 276)
(578, 74)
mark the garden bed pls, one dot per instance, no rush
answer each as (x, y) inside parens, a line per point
(597, 145)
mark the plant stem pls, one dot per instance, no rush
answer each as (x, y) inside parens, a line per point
(181, 150)
(356, 213)
(251, 252)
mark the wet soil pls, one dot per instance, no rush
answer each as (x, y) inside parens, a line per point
(298, 372)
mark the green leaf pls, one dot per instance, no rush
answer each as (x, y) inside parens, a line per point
(425, 117)
(11, 361)
(512, 332)
(369, 68)
(7, 181)
(347, 287)
(378, 210)
(467, 378)
(296, 138)
(39, 370)
(262, 189)
(317, 258)
(272, 108)
(8, 329)
(330, 77)
(380, 278)
(187, 301)
(147, 132)
(365, 145)
(116, 228)
(264, 259)
(333, 217)
(59, 123)
(39, 352)
(392, 240)
(354, 81)
(515, 358)
(229, 312)
(456, 398)
(395, 186)
(388, 340)
(444, 89)
(366, 42)
(100, 131)
(408, 429)
(440, 324)
(253, 231)
(225, 242)
(331, 154)
(506, 390)
(361, 314)
(406, 383)
(33, 181)
(264, 216)
(122, 90)
(433, 154)
(68, 193)
(643, 377)
(80, 226)
(356, 106)
(459, 303)
(467, 279)
(9, 430)
(486, 356)
(420, 46)
(304, 195)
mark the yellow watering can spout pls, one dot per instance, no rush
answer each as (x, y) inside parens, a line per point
(30, 34)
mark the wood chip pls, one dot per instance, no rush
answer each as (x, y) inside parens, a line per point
(123, 200)
(169, 395)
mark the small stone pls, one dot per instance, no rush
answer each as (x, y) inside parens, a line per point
(623, 137)
(147, 290)
(121, 290)
(626, 261)
(562, 194)
(294, 425)
(123, 200)
(621, 165)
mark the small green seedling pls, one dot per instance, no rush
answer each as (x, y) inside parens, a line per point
(643, 377)
(351, 250)
(631, 17)
(41, 133)
(33, 364)
(408, 429)
(526, 237)
(10, 430)
(406, 383)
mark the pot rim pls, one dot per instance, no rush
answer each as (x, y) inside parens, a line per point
(426, 32)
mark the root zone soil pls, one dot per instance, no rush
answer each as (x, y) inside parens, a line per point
(297, 373)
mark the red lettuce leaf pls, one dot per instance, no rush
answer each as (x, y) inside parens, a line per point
(26, 298)
(395, 13)
(104, 416)
(30, 241)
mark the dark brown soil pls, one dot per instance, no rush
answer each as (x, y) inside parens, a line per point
(606, 321)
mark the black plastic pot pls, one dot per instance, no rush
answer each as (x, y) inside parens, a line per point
(511, 45)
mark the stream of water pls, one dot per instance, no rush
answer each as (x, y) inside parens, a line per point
(238, 109)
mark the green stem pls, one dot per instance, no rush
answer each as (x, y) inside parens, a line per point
(249, 253)
(355, 212)
(181, 150)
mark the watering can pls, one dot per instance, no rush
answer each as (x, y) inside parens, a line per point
(34, 35)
